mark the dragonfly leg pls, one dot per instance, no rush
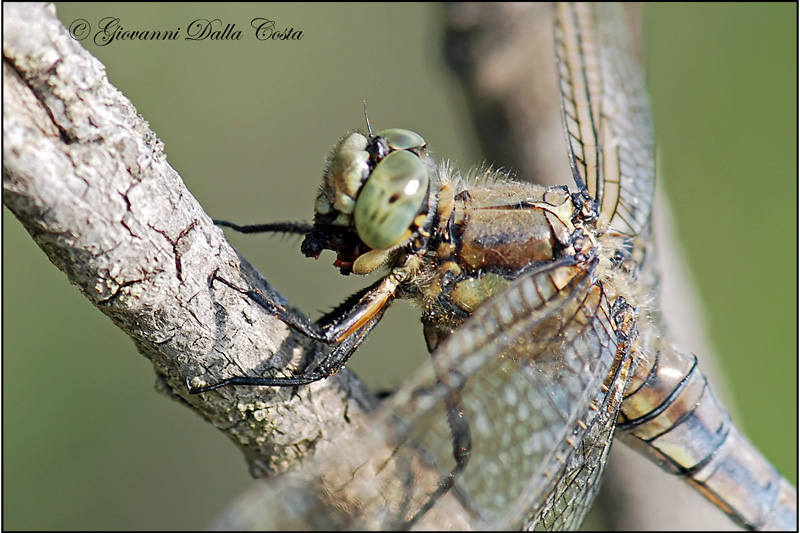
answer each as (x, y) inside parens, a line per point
(460, 431)
(462, 448)
(292, 320)
(344, 329)
(462, 438)
(295, 228)
(333, 362)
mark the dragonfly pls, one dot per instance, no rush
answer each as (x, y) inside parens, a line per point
(535, 310)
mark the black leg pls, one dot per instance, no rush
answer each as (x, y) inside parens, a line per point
(297, 323)
(462, 447)
(344, 329)
(460, 431)
(299, 228)
(331, 364)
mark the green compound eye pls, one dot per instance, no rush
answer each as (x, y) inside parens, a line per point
(400, 139)
(390, 200)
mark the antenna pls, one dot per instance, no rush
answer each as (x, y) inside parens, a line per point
(366, 117)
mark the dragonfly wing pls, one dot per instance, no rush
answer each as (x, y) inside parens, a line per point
(533, 366)
(541, 413)
(540, 409)
(606, 113)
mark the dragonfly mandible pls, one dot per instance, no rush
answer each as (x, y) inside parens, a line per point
(533, 306)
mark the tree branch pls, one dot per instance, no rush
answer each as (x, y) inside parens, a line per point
(88, 179)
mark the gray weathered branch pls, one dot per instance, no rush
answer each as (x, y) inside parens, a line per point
(88, 179)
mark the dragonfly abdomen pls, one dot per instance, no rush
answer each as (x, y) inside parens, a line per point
(672, 416)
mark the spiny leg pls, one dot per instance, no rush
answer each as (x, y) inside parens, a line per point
(460, 432)
(325, 331)
(331, 364)
(344, 328)
(461, 436)
(295, 228)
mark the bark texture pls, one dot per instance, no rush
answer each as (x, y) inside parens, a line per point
(88, 179)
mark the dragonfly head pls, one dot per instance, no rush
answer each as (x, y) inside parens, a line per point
(373, 198)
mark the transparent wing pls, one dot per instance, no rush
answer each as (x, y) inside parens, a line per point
(606, 113)
(534, 366)
(528, 368)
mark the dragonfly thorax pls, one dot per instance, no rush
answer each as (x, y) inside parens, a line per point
(489, 234)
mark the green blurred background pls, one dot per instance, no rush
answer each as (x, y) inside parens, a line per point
(87, 443)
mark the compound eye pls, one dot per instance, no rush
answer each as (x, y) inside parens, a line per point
(390, 200)
(400, 139)
(347, 171)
